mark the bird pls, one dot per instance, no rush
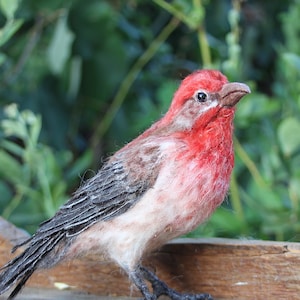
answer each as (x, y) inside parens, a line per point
(159, 186)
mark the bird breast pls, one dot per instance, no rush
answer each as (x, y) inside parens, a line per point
(186, 192)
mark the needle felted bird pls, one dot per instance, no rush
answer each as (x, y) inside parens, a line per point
(161, 185)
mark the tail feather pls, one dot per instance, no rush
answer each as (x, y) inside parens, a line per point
(20, 285)
(19, 269)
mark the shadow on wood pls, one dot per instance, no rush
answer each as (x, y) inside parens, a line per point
(227, 269)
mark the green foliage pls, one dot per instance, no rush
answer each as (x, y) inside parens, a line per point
(88, 76)
(11, 24)
(37, 173)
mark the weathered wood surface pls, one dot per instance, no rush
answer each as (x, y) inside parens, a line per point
(51, 294)
(227, 269)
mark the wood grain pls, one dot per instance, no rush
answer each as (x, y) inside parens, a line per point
(227, 269)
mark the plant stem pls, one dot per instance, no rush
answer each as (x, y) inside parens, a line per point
(129, 79)
(13, 204)
(235, 199)
(173, 11)
(186, 19)
(202, 38)
(249, 164)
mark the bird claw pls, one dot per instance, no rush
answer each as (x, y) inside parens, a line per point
(160, 288)
(174, 295)
(179, 296)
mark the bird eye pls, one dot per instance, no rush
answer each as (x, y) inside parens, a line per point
(201, 96)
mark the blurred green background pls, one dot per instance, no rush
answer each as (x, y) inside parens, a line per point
(79, 79)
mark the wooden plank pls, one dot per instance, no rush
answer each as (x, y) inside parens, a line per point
(51, 294)
(227, 269)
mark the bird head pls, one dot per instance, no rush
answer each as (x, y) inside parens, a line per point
(204, 92)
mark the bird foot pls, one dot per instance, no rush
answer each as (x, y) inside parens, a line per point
(160, 288)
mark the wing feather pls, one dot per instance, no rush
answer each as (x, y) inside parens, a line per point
(109, 193)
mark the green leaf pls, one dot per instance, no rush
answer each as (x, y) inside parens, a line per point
(35, 126)
(9, 29)
(6, 194)
(255, 106)
(2, 58)
(14, 128)
(288, 135)
(60, 47)
(9, 7)
(10, 168)
(12, 147)
(293, 60)
(11, 110)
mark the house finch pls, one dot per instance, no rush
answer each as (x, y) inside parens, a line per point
(159, 186)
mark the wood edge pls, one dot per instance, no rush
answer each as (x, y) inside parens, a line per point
(226, 268)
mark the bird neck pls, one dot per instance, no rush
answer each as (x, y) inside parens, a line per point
(213, 130)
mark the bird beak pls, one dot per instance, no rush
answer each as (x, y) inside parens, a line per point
(232, 92)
